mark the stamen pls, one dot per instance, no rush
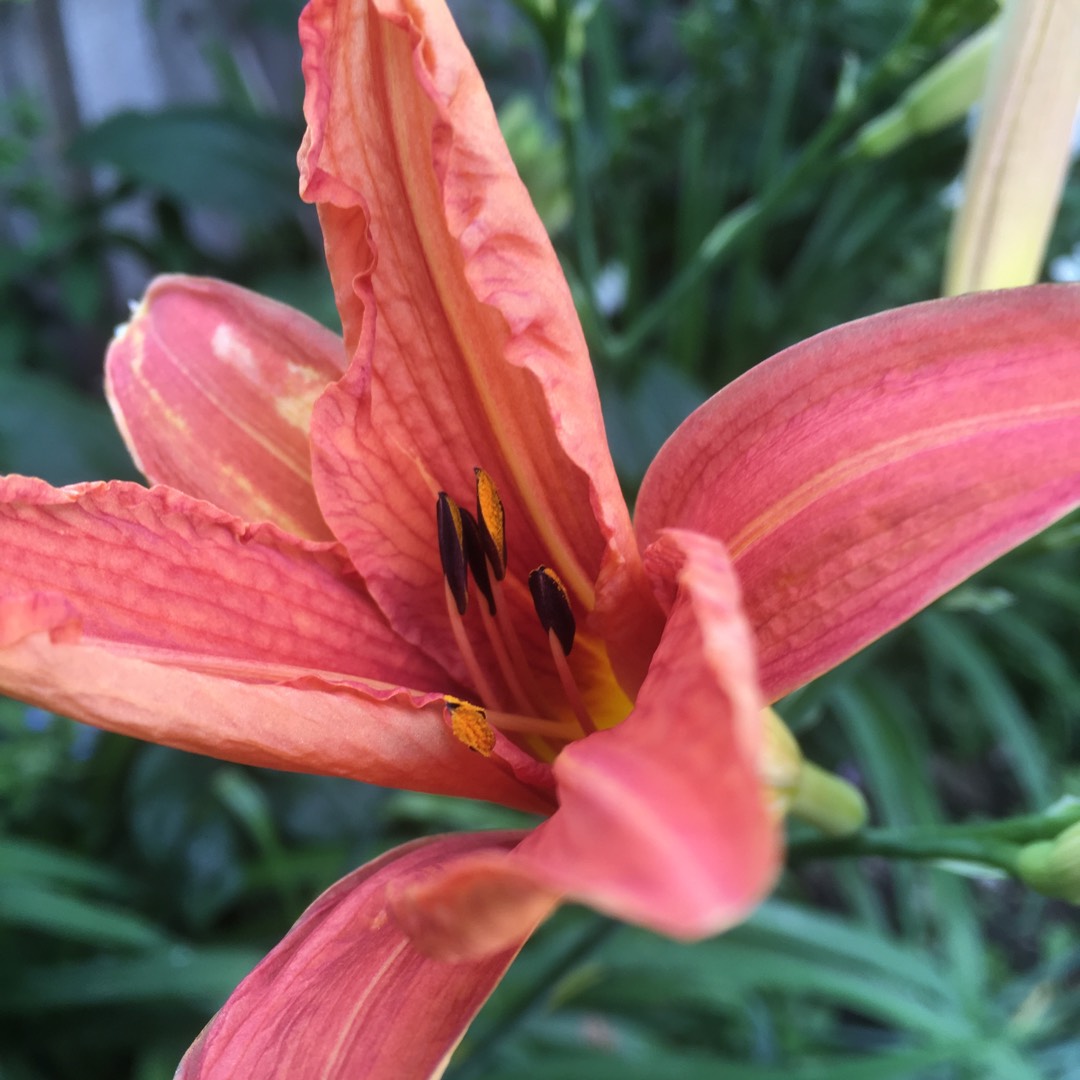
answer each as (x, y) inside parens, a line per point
(553, 610)
(492, 519)
(474, 553)
(479, 544)
(452, 550)
(552, 606)
(470, 726)
(505, 625)
(476, 673)
(510, 636)
(561, 730)
(471, 716)
(522, 697)
(569, 684)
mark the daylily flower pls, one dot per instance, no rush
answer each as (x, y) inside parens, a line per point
(307, 587)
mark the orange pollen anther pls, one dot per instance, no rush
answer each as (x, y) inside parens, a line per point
(469, 724)
(492, 520)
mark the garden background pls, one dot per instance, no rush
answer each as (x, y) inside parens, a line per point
(138, 884)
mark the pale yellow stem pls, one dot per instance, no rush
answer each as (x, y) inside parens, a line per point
(1019, 158)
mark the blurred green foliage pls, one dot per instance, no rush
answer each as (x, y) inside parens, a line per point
(693, 163)
(252, 170)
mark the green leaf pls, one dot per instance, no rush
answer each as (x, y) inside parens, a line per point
(34, 907)
(652, 1063)
(994, 701)
(640, 419)
(438, 813)
(30, 860)
(192, 842)
(893, 749)
(798, 931)
(207, 156)
(937, 21)
(203, 977)
(1030, 652)
(47, 430)
(638, 969)
(539, 158)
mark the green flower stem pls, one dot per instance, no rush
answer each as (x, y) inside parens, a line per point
(564, 38)
(571, 112)
(1027, 828)
(720, 241)
(921, 844)
(995, 843)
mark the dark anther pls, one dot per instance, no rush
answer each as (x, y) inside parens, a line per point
(474, 553)
(552, 606)
(452, 549)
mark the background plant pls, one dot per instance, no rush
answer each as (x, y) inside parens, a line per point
(699, 169)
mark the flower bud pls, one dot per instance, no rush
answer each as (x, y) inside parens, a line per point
(1052, 867)
(801, 788)
(940, 97)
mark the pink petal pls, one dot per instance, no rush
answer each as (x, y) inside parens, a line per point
(266, 715)
(213, 386)
(857, 476)
(479, 905)
(662, 821)
(466, 347)
(155, 615)
(158, 569)
(345, 995)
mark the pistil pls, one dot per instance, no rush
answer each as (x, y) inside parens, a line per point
(504, 626)
(569, 685)
(522, 698)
